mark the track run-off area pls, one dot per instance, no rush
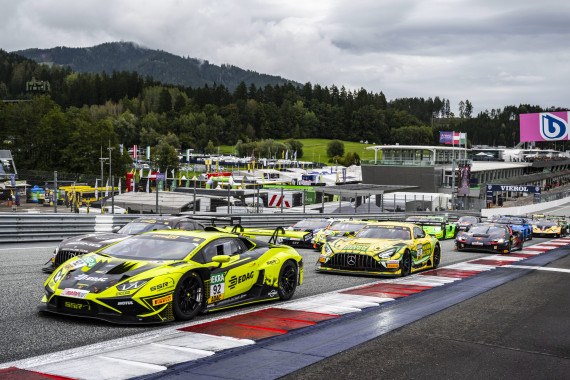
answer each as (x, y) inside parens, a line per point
(79, 348)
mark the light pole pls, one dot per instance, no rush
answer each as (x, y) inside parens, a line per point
(112, 182)
(102, 160)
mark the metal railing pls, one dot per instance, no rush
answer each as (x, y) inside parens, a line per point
(16, 228)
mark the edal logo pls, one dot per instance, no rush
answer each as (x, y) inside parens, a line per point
(553, 127)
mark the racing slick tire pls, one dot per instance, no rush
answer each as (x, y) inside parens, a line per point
(520, 246)
(188, 296)
(406, 264)
(436, 258)
(509, 247)
(287, 280)
(529, 236)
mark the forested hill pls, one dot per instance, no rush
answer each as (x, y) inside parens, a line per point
(161, 66)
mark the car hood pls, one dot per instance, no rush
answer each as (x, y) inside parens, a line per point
(364, 246)
(96, 273)
(91, 242)
(474, 237)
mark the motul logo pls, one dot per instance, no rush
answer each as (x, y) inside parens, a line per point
(276, 200)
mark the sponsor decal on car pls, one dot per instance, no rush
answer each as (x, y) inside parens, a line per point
(77, 306)
(162, 300)
(273, 261)
(84, 277)
(272, 293)
(74, 293)
(217, 287)
(392, 263)
(234, 280)
(356, 248)
(89, 261)
(165, 285)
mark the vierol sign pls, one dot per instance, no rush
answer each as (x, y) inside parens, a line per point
(546, 126)
(514, 188)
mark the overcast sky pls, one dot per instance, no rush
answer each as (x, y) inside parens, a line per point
(493, 53)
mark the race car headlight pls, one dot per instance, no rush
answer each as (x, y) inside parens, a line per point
(387, 253)
(132, 285)
(327, 250)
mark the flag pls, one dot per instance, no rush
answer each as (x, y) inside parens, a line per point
(287, 154)
(210, 182)
(141, 174)
(121, 148)
(96, 189)
(462, 138)
(231, 182)
(252, 157)
(148, 152)
(179, 178)
(107, 188)
(295, 155)
(148, 185)
(459, 138)
(134, 152)
(119, 185)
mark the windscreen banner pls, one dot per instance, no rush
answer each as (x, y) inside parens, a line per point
(545, 126)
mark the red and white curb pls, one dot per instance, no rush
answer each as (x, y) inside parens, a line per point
(155, 351)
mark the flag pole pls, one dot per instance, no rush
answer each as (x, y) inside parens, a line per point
(453, 171)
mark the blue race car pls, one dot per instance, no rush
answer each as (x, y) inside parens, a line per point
(516, 223)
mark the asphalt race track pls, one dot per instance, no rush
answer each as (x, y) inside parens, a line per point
(25, 333)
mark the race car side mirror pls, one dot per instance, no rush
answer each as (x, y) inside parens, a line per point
(221, 259)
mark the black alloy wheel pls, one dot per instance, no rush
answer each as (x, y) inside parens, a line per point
(406, 264)
(287, 280)
(188, 296)
(436, 256)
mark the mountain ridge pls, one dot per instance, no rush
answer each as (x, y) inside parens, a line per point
(162, 66)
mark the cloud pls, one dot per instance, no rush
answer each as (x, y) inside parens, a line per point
(493, 53)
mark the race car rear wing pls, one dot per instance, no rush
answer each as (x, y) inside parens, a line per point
(429, 223)
(276, 233)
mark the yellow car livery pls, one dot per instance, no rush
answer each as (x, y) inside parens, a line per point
(172, 274)
(382, 248)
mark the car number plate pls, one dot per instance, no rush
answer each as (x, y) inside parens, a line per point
(477, 243)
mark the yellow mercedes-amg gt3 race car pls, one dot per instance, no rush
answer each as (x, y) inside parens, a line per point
(382, 248)
(172, 274)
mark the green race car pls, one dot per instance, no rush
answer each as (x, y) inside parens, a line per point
(438, 226)
(165, 275)
(382, 248)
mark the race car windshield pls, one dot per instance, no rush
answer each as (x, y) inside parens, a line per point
(467, 219)
(486, 230)
(547, 224)
(384, 233)
(312, 224)
(153, 247)
(136, 228)
(348, 226)
(509, 221)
